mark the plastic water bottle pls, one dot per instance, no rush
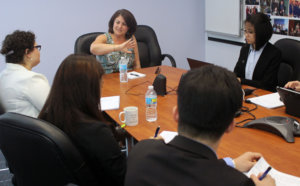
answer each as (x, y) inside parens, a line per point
(123, 69)
(151, 104)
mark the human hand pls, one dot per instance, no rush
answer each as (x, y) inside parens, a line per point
(246, 161)
(293, 85)
(158, 137)
(267, 181)
(239, 79)
(124, 47)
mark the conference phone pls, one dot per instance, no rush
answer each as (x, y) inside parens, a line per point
(285, 127)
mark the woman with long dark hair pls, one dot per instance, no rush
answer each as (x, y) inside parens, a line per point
(73, 105)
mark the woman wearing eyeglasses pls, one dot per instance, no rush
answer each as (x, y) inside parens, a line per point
(22, 90)
(259, 60)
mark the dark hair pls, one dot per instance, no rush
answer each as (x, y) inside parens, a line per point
(129, 19)
(208, 98)
(15, 44)
(263, 28)
(75, 93)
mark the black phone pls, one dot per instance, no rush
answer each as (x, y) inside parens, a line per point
(248, 91)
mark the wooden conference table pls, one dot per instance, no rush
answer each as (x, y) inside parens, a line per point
(283, 156)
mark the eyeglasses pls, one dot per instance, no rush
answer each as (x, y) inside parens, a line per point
(248, 32)
(39, 47)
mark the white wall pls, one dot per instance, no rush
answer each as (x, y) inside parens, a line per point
(222, 54)
(179, 25)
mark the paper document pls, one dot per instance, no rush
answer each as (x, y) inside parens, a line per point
(168, 135)
(134, 75)
(110, 103)
(281, 179)
(269, 101)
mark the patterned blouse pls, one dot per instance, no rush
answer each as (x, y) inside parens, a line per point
(110, 61)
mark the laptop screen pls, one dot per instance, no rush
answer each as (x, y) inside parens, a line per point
(196, 63)
(291, 100)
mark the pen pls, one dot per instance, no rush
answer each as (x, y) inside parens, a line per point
(156, 131)
(265, 173)
(157, 71)
(134, 74)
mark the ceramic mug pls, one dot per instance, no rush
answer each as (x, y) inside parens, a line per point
(131, 116)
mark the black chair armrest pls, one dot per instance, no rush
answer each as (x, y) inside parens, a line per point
(172, 60)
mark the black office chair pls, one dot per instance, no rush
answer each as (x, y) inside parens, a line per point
(83, 43)
(290, 66)
(2, 111)
(149, 49)
(38, 153)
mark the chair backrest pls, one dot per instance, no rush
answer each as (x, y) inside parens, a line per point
(38, 153)
(149, 49)
(83, 43)
(290, 66)
(2, 111)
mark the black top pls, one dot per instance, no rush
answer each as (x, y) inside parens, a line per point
(266, 69)
(181, 162)
(98, 146)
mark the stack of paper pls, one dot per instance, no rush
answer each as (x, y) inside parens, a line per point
(281, 179)
(134, 75)
(268, 101)
(168, 135)
(110, 103)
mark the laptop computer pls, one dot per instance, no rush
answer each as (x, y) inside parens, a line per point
(291, 100)
(196, 63)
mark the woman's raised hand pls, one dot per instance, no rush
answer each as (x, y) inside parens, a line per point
(124, 47)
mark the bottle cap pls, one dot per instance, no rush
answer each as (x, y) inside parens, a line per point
(150, 87)
(124, 60)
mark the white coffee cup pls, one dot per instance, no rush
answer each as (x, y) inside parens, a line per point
(131, 116)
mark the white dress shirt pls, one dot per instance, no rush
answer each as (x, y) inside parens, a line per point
(23, 91)
(252, 61)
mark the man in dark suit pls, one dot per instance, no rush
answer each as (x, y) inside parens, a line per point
(208, 98)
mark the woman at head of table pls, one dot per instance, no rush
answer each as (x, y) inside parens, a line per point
(259, 60)
(22, 90)
(117, 42)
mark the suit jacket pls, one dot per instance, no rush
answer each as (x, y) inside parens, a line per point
(23, 91)
(181, 162)
(95, 141)
(266, 69)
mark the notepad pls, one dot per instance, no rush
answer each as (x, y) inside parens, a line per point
(282, 179)
(110, 103)
(269, 101)
(134, 75)
(168, 135)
